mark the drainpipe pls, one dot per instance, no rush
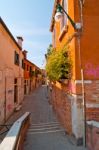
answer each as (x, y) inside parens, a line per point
(81, 11)
(82, 75)
(83, 93)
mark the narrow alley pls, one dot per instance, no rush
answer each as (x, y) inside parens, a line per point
(45, 132)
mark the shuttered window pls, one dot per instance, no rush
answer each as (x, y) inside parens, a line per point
(64, 18)
(16, 58)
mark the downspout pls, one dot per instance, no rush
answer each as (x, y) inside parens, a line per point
(81, 3)
(81, 11)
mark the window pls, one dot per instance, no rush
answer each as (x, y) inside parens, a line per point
(66, 9)
(27, 68)
(64, 18)
(30, 68)
(27, 82)
(24, 81)
(24, 66)
(23, 63)
(15, 81)
(16, 58)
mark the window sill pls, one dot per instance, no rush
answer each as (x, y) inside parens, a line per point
(63, 32)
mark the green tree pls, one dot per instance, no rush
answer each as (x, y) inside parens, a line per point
(58, 65)
(49, 51)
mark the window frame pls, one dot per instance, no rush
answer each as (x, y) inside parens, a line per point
(22, 63)
(64, 19)
(16, 58)
(27, 67)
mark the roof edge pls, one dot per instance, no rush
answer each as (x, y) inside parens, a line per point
(32, 63)
(10, 34)
(53, 14)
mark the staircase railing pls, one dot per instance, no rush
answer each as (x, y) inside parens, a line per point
(15, 137)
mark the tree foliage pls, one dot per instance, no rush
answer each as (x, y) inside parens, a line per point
(58, 64)
(49, 51)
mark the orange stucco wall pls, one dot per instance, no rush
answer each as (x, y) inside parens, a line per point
(33, 81)
(27, 72)
(8, 72)
(33, 68)
(89, 43)
(89, 39)
(7, 50)
(69, 33)
(84, 54)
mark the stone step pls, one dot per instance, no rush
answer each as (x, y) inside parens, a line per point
(46, 131)
(44, 128)
(48, 127)
(41, 127)
(46, 123)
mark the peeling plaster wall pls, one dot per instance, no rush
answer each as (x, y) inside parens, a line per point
(8, 72)
(77, 117)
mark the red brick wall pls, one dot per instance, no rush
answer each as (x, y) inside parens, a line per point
(92, 137)
(92, 92)
(92, 100)
(92, 114)
(62, 106)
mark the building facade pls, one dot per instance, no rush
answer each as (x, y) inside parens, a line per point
(11, 72)
(32, 75)
(78, 100)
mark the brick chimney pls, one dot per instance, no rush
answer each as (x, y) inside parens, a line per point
(20, 40)
(25, 54)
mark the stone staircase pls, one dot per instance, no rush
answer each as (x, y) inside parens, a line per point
(41, 128)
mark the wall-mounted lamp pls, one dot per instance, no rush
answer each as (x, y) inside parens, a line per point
(59, 14)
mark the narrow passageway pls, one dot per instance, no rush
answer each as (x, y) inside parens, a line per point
(45, 132)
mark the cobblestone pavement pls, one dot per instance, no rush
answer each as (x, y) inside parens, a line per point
(45, 132)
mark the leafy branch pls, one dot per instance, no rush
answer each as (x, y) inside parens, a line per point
(58, 64)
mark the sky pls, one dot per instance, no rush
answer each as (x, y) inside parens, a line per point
(31, 20)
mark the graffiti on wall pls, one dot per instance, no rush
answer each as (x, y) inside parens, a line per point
(91, 70)
(9, 107)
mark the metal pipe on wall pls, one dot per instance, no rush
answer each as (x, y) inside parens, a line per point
(82, 74)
